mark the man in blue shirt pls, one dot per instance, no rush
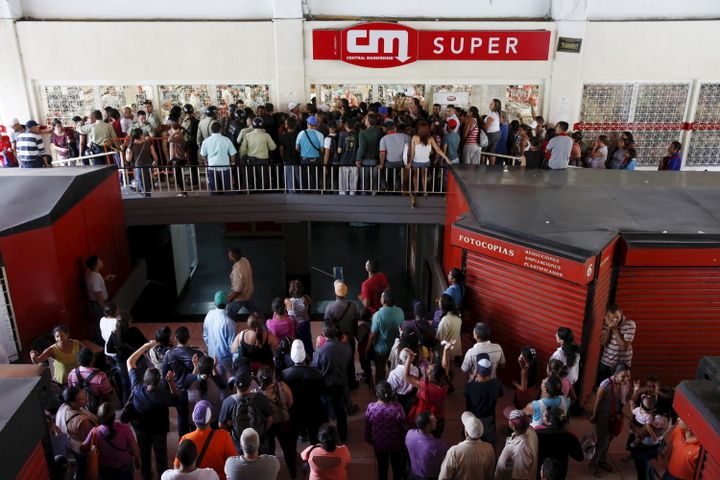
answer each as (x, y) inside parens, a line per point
(310, 145)
(219, 333)
(219, 153)
(385, 328)
(673, 160)
(179, 361)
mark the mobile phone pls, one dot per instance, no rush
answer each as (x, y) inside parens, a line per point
(338, 273)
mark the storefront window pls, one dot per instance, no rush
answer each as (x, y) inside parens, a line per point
(400, 96)
(198, 96)
(251, 95)
(331, 94)
(704, 144)
(66, 101)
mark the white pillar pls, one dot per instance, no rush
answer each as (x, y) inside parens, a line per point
(14, 94)
(289, 53)
(565, 89)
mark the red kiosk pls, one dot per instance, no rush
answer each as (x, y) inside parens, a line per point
(544, 249)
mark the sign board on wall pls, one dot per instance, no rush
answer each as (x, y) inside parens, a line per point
(382, 45)
(569, 44)
(542, 262)
(459, 99)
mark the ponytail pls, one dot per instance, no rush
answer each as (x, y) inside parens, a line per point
(569, 347)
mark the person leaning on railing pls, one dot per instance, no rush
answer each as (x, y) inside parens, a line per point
(141, 154)
(100, 135)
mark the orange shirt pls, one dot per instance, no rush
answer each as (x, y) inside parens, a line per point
(220, 449)
(684, 455)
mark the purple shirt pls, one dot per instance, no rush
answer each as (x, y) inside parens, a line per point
(426, 453)
(675, 162)
(117, 452)
(385, 426)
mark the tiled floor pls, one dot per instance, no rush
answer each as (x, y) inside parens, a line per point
(363, 464)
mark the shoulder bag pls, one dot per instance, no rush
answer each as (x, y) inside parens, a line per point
(200, 457)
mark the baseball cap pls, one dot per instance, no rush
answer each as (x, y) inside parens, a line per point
(383, 110)
(243, 380)
(473, 426)
(220, 298)
(517, 417)
(297, 351)
(312, 120)
(202, 413)
(452, 123)
(292, 105)
(30, 124)
(14, 122)
(340, 288)
(484, 365)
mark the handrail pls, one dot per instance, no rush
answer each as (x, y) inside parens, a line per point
(80, 158)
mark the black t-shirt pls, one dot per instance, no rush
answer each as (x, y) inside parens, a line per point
(558, 445)
(290, 155)
(306, 384)
(131, 341)
(348, 142)
(179, 360)
(481, 397)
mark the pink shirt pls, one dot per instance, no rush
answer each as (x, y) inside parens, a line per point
(99, 384)
(281, 327)
(117, 452)
(327, 465)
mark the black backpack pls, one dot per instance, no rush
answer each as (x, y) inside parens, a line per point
(94, 401)
(246, 415)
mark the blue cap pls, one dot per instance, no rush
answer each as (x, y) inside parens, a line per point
(383, 110)
(31, 123)
(312, 120)
(220, 298)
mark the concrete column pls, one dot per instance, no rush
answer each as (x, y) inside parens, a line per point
(565, 90)
(14, 93)
(289, 53)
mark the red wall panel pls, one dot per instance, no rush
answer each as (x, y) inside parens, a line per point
(36, 467)
(522, 307)
(455, 205)
(45, 266)
(677, 312)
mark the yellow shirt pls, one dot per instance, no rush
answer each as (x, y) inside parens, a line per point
(63, 363)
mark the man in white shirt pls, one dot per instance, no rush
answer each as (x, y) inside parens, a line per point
(481, 333)
(95, 283)
(108, 324)
(187, 454)
(559, 147)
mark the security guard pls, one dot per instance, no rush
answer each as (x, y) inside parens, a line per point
(203, 131)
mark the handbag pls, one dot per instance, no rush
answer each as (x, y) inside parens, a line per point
(483, 140)
(92, 467)
(128, 413)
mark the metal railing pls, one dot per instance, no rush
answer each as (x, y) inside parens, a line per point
(331, 179)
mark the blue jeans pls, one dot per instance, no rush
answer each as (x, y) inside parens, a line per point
(292, 178)
(233, 308)
(642, 455)
(219, 179)
(143, 180)
(309, 174)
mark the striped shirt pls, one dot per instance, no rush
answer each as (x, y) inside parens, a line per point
(29, 147)
(613, 354)
(472, 136)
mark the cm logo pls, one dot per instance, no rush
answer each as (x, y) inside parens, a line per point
(379, 44)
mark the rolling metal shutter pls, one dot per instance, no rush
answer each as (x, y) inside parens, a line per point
(36, 465)
(708, 469)
(677, 313)
(591, 339)
(522, 307)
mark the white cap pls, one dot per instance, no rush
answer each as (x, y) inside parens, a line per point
(533, 124)
(292, 105)
(14, 122)
(323, 108)
(297, 352)
(473, 426)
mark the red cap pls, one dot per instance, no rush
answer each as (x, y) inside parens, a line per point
(452, 123)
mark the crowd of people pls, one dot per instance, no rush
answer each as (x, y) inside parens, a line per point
(344, 149)
(243, 394)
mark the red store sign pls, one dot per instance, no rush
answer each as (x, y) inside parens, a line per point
(546, 263)
(382, 45)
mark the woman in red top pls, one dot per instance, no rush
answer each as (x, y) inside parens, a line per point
(432, 389)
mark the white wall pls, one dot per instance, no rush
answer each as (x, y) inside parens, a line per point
(651, 51)
(652, 9)
(147, 52)
(430, 8)
(148, 9)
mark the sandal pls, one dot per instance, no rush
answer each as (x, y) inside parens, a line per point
(606, 466)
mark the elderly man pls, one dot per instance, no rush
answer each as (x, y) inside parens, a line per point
(30, 147)
(101, 136)
(250, 464)
(471, 459)
(345, 315)
(519, 458)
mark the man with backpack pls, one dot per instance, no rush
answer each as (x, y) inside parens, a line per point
(92, 380)
(245, 409)
(179, 360)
